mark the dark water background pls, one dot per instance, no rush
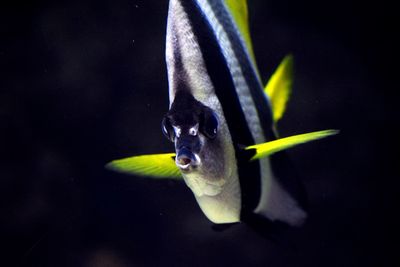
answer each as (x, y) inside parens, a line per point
(83, 82)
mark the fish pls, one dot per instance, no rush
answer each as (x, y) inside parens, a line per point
(223, 121)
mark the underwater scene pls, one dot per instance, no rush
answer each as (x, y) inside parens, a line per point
(196, 133)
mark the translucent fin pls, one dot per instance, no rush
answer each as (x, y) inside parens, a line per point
(279, 87)
(278, 204)
(155, 165)
(269, 148)
(239, 12)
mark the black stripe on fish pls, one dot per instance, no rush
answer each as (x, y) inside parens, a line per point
(280, 164)
(217, 69)
(256, 91)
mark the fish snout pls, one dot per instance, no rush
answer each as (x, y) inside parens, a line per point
(185, 159)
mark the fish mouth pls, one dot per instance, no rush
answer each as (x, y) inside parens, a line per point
(187, 160)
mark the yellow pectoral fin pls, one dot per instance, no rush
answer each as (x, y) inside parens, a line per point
(269, 148)
(154, 165)
(279, 87)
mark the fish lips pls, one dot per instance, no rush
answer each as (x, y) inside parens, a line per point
(186, 160)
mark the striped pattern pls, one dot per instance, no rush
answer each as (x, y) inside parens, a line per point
(248, 86)
(206, 55)
(194, 56)
(189, 51)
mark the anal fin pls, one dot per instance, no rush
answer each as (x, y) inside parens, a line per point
(277, 204)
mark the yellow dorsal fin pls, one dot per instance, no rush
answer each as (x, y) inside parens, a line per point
(269, 148)
(239, 12)
(279, 87)
(154, 165)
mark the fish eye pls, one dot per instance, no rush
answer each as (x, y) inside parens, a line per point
(177, 131)
(210, 125)
(168, 129)
(194, 130)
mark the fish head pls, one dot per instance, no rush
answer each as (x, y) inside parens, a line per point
(193, 127)
(204, 156)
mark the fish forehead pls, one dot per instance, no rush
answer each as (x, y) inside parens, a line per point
(185, 63)
(185, 110)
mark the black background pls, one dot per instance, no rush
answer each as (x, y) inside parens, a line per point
(83, 82)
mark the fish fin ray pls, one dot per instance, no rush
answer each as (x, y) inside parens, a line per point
(279, 87)
(151, 165)
(269, 148)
